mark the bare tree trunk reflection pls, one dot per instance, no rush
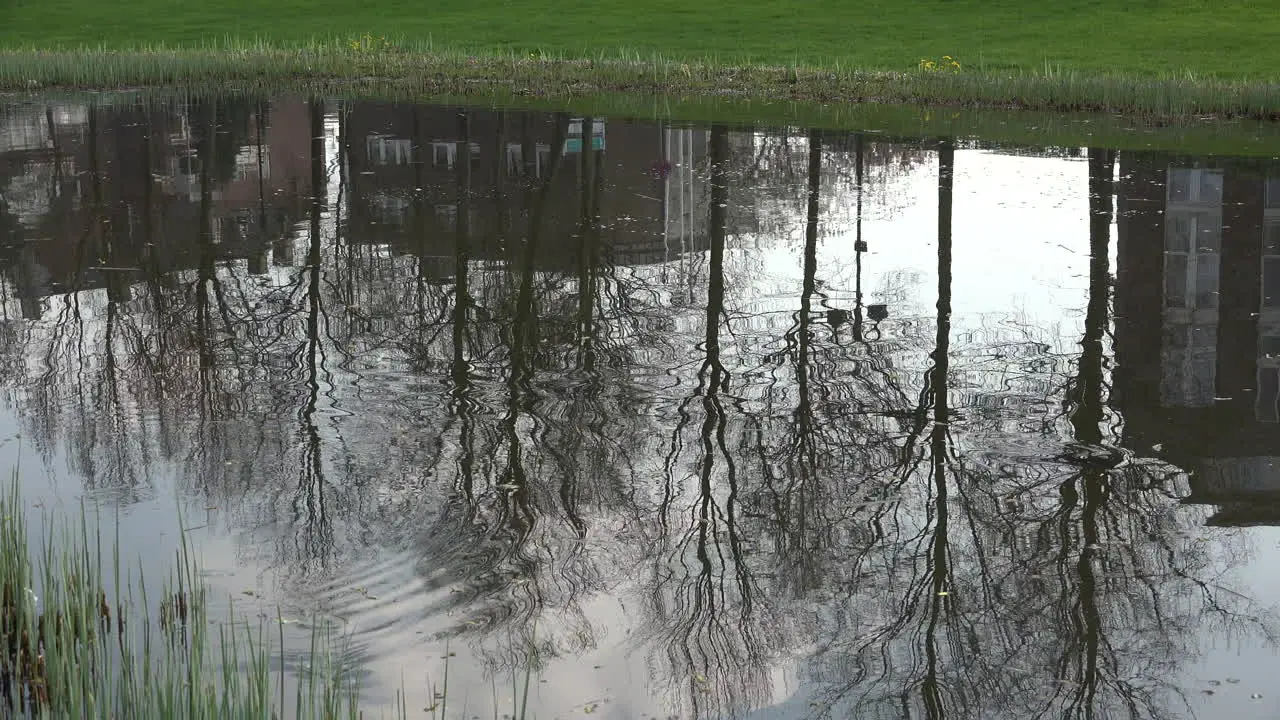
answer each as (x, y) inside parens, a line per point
(463, 310)
(524, 334)
(587, 253)
(858, 243)
(205, 277)
(54, 142)
(939, 561)
(158, 359)
(803, 489)
(707, 611)
(1089, 489)
(712, 380)
(310, 497)
(258, 250)
(586, 401)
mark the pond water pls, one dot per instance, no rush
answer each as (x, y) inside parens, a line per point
(721, 421)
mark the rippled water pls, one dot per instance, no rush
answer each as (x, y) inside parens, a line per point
(723, 421)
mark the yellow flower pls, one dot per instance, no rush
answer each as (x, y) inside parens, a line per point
(946, 63)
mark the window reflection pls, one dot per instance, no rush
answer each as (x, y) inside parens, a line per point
(1192, 245)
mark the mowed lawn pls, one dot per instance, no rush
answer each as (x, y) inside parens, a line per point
(1226, 38)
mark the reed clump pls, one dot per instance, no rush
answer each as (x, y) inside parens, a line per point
(80, 638)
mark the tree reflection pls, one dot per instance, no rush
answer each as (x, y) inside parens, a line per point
(309, 501)
(445, 365)
(703, 591)
(1078, 564)
(934, 696)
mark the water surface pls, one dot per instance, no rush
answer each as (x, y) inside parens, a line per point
(697, 421)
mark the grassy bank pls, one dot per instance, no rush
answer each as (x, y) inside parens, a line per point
(430, 72)
(1168, 57)
(82, 635)
(1229, 38)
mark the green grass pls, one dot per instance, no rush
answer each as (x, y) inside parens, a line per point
(1160, 57)
(1228, 38)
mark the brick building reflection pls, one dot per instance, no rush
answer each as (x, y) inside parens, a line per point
(413, 169)
(103, 197)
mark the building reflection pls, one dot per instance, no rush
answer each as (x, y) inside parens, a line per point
(410, 165)
(1197, 337)
(95, 197)
(90, 197)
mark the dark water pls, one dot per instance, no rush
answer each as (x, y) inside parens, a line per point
(723, 421)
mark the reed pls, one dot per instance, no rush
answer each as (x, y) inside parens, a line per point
(260, 66)
(81, 635)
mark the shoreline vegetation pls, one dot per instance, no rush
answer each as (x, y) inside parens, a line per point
(543, 76)
(82, 635)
